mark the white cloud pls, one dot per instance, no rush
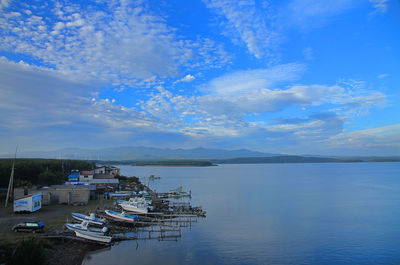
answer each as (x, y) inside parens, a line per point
(123, 44)
(308, 53)
(383, 75)
(247, 21)
(377, 141)
(306, 14)
(42, 105)
(61, 109)
(4, 4)
(253, 80)
(186, 79)
(380, 6)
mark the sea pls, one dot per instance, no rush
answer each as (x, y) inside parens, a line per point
(322, 213)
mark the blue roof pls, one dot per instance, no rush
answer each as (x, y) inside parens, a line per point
(73, 176)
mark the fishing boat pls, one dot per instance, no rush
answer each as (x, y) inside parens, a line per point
(94, 237)
(138, 205)
(121, 216)
(90, 218)
(84, 227)
(179, 193)
(83, 230)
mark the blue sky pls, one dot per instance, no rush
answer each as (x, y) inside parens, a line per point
(295, 77)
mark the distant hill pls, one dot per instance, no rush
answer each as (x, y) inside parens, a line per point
(141, 153)
(281, 159)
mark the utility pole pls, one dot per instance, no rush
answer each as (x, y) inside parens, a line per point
(11, 182)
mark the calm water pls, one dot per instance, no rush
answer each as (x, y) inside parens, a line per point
(277, 214)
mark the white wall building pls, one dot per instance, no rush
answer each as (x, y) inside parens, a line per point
(85, 176)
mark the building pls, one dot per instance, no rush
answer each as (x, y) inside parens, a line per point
(74, 176)
(107, 170)
(59, 194)
(86, 176)
(106, 183)
(29, 203)
(66, 194)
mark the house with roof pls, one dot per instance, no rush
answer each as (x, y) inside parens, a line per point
(107, 170)
(86, 176)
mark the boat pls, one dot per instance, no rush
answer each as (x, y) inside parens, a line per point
(84, 227)
(121, 216)
(83, 230)
(94, 237)
(179, 193)
(90, 218)
(119, 194)
(138, 205)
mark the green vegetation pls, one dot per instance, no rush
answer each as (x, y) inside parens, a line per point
(39, 171)
(126, 180)
(31, 251)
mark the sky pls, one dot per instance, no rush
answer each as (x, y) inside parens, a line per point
(290, 77)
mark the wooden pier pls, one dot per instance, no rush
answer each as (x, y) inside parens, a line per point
(164, 223)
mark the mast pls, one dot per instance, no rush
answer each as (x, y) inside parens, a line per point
(11, 182)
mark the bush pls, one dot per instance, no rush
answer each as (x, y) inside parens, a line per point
(30, 252)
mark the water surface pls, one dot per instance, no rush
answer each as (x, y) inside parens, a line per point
(277, 214)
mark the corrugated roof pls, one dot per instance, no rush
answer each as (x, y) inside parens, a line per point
(86, 173)
(105, 181)
(103, 176)
(67, 187)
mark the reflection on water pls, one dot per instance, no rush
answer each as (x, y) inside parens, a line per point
(277, 214)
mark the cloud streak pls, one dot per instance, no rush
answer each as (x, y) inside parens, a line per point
(244, 20)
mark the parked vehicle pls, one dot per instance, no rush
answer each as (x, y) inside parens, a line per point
(29, 227)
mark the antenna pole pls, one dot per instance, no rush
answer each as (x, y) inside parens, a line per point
(11, 182)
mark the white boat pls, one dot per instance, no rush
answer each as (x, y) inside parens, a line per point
(90, 218)
(84, 231)
(137, 208)
(94, 237)
(138, 205)
(121, 216)
(84, 228)
(117, 194)
(179, 193)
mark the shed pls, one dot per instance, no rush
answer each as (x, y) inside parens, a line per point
(66, 194)
(29, 203)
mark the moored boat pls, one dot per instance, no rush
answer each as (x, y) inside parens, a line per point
(138, 205)
(179, 193)
(84, 227)
(121, 216)
(90, 218)
(94, 237)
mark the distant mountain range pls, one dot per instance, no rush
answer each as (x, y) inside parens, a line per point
(141, 153)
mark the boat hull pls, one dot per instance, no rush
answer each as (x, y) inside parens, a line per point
(120, 217)
(82, 217)
(78, 228)
(133, 208)
(94, 237)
